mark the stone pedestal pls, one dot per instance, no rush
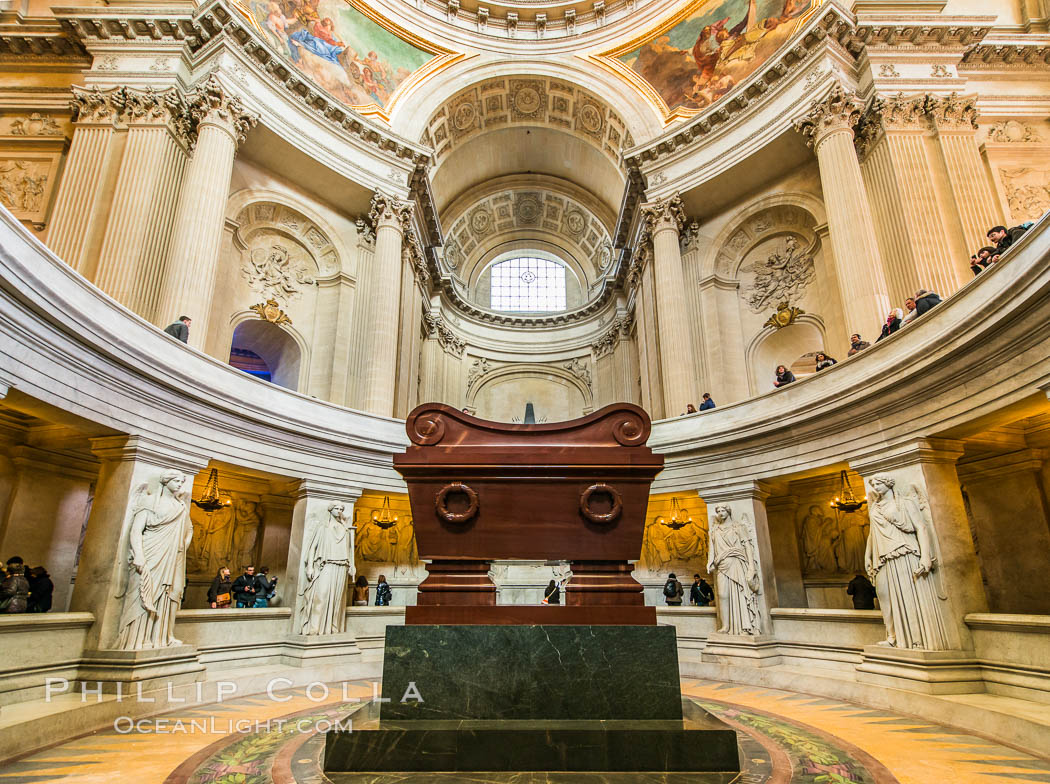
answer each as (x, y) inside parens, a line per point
(603, 583)
(929, 672)
(457, 582)
(302, 650)
(749, 650)
(128, 672)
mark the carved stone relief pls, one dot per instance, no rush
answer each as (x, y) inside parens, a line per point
(275, 272)
(780, 277)
(1027, 192)
(478, 369)
(580, 369)
(26, 182)
(830, 545)
(34, 124)
(1013, 132)
(394, 545)
(666, 548)
(225, 537)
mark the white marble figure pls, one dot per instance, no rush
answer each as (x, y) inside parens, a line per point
(732, 560)
(328, 560)
(158, 535)
(901, 559)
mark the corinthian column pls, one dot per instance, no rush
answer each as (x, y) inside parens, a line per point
(828, 127)
(663, 220)
(189, 277)
(391, 221)
(955, 119)
(138, 234)
(79, 206)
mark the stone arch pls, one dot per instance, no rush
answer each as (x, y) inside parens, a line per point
(753, 222)
(784, 346)
(542, 380)
(282, 347)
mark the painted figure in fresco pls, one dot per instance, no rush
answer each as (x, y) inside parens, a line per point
(158, 536)
(327, 562)
(902, 559)
(732, 560)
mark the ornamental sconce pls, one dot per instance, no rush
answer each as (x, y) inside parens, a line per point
(383, 517)
(679, 518)
(784, 317)
(846, 501)
(212, 499)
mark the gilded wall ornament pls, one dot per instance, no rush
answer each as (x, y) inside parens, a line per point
(271, 311)
(785, 316)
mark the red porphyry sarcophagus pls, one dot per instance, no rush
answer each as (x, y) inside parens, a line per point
(482, 491)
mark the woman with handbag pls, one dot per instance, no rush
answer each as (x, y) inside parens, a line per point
(220, 594)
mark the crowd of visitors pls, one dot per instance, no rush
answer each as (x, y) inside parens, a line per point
(25, 590)
(248, 590)
(706, 404)
(1001, 238)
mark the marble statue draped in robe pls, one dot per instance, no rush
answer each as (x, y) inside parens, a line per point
(732, 560)
(902, 559)
(328, 560)
(158, 536)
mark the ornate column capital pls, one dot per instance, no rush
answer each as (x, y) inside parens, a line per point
(953, 112)
(663, 215)
(387, 211)
(98, 107)
(898, 113)
(838, 111)
(164, 108)
(212, 104)
(412, 254)
(439, 331)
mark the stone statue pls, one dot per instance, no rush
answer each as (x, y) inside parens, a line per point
(818, 541)
(158, 535)
(732, 560)
(327, 560)
(902, 559)
(246, 523)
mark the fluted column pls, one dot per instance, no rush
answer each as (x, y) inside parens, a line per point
(955, 119)
(663, 220)
(917, 248)
(391, 220)
(138, 234)
(828, 127)
(189, 277)
(79, 206)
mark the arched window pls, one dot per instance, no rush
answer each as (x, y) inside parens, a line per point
(528, 284)
(266, 351)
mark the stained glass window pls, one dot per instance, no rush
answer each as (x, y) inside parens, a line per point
(528, 284)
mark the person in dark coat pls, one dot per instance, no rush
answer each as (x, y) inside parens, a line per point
(925, 301)
(824, 361)
(14, 590)
(552, 593)
(673, 592)
(265, 588)
(180, 330)
(244, 588)
(707, 403)
(856, 345)
(1004, 237)
(863, 593)
(784, 376)
(221, 592)
(983, 259)
(383, 593)
(700, 593)
(41, 589)
(893, 323)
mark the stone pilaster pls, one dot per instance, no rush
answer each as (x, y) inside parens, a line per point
(80, 205)
(955, 119)
(912, 221)
(415, 280)
(663, 221)
(781, 513)
(720, 312)
(828, 127)
(128, 463)
(138, 234)
(391, 219)
(189, 276)
(922, 490)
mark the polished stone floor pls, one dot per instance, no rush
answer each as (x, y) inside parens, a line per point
(784, 738)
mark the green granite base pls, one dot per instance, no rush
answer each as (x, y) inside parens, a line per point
(700, 744)
(552, 672)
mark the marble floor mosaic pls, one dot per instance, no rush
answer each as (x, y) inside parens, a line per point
(784, 738)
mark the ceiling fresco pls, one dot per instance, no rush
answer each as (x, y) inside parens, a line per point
(348, 49)
(703, 52)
